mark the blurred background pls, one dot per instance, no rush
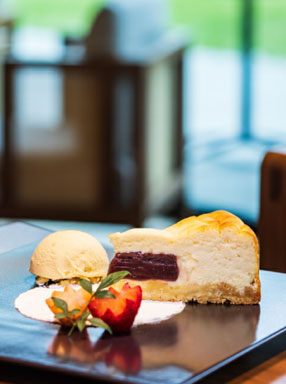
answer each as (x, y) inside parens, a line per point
(122, 111)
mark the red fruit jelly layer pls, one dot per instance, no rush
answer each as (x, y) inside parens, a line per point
(146, 266)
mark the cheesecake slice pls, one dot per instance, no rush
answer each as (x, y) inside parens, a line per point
(209, 258)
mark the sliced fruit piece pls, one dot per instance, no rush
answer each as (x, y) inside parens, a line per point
(74, 298)
(118, 313)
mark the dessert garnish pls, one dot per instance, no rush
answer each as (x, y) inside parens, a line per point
(71, 306)
(150, 312)
(119, 313)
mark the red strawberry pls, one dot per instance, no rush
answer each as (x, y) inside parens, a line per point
(118, 313)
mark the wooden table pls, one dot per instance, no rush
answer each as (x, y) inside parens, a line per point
(272, 371)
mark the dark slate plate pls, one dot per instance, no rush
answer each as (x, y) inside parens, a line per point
(187, 347)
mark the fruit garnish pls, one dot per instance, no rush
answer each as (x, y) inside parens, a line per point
(118, 312)
(68, 305)
(71, 306)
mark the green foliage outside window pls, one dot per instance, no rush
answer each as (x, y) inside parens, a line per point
(212, 23)
(218, 23)
(69, 17)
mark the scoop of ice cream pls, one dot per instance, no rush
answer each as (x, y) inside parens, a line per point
(68, 254)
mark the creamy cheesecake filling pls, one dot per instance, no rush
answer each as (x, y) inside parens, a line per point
(145, 266)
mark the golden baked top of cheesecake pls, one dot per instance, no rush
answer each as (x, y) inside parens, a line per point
(218, 221)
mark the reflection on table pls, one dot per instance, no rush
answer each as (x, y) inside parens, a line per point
(199, 337)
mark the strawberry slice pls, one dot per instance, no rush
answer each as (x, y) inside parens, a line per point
(118, 313)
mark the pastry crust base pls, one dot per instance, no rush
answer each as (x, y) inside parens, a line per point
(208, 293)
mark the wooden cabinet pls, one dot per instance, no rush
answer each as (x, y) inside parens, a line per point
(112, 150)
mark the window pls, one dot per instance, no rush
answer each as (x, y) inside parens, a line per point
(235, 91)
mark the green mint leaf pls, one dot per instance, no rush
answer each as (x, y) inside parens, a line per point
(61, 304)
(85, 315)
(86, 284)
(74, 312)
(104, 295)
(80, 324)
(95, 321)
(60, 315)
(112, 279)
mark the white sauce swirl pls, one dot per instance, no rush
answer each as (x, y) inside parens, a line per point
(32, 304)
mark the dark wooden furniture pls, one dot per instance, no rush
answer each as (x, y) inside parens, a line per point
(123, 118)
(272, 371)
(272, 221)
